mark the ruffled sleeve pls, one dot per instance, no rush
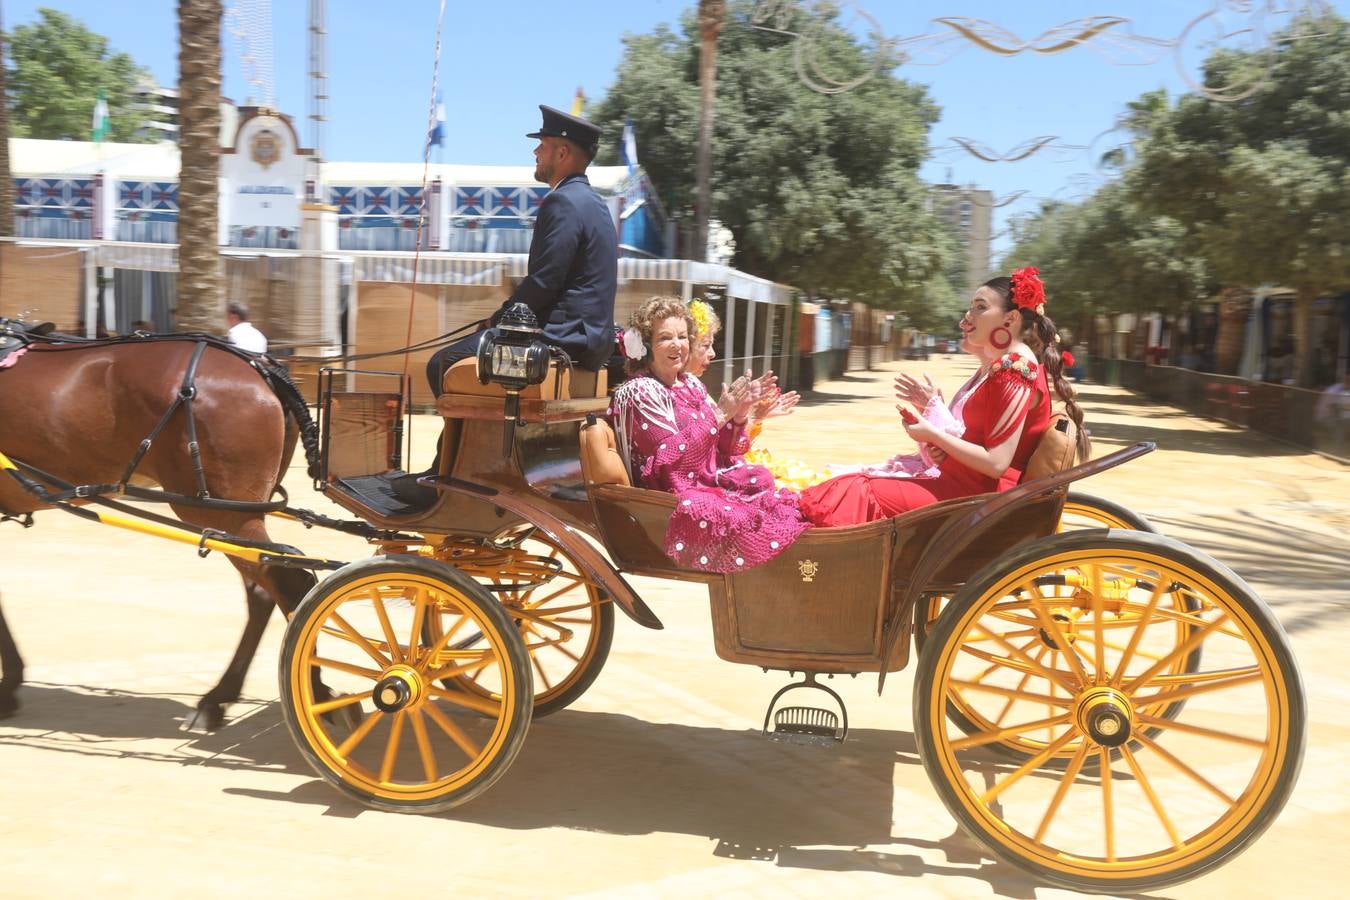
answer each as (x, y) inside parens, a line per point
(1007, 396)
(651, 437)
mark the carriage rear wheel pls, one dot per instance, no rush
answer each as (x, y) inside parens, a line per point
(1080, 511)
(1086, 511)
(565, 620)
(364, 693)
(1169, 798)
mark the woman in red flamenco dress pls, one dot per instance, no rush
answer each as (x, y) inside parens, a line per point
(1007, 411)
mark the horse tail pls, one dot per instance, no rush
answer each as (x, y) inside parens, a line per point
(294, 403)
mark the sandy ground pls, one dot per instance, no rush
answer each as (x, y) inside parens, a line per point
(656, 783)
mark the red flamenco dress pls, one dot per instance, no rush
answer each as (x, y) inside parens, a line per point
(1013, 395)
(730, 515)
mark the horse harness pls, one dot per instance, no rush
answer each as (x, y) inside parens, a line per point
(15, 339)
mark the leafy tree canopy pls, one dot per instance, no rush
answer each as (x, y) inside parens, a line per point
(57, 67)
(819, 191)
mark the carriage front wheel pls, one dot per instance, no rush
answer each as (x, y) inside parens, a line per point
(1071, 643)
(364, 690)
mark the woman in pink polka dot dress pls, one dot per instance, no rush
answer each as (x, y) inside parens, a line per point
(730, 514)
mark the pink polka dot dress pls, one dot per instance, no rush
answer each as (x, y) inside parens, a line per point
(730, 515)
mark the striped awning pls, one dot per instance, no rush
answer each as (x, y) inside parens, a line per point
(480, 270)
(145, 257)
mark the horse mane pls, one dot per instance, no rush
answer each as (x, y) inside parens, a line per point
(294, 403)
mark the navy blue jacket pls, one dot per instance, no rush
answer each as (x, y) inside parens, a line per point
(573, 273)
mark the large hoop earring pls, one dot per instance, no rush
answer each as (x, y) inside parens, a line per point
(1000, 341)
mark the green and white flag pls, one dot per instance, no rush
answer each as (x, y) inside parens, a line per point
(100, 125)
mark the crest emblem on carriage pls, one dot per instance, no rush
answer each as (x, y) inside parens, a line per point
(265, 147)
(809, 568)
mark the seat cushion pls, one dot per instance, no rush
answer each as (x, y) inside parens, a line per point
(600, 459)
(1055, 451)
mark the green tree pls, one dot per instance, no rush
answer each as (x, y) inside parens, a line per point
(58, 68)
(819, 191)
(1261, 184)
(201, 300)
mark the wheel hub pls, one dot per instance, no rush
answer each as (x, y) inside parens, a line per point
(400, 688)
(1105, 715)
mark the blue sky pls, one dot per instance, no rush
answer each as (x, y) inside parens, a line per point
(501, 59)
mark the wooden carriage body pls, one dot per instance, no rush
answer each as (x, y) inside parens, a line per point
(839, 600)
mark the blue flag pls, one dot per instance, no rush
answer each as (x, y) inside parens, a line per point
(628, 146)
(436, 138)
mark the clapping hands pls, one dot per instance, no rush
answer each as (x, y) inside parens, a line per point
(909, 390)
(759, 397)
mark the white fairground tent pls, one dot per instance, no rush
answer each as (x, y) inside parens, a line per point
(455, 289)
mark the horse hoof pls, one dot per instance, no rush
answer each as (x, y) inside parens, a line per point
(9, 705)
(207, 717)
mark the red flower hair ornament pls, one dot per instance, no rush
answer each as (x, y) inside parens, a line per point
(1028, 291)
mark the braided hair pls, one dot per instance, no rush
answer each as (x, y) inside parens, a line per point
(1039, 333)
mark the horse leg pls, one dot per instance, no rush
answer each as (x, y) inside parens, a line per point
(11, 670)
(270, 586)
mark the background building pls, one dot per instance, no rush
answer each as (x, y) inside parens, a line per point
(970, 212)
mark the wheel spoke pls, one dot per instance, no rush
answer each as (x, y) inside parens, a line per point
(1070, 775)
(388, 629)
(455, 733)
(468, 701)
(1108, 807)
(988, 737)
(1057, 634)
(1032, 665)
(419, 601)
(1047, 699)
(423, 745)
(345, 749)
(339, 666)
(1029, 766)
(1178, 653)
(1151, 794)
(1184, 769)
(1144, 618)
(328, 706)
(359, 640)
(1099, 657)
(1200, 731)
(391, 747)
(539, 667)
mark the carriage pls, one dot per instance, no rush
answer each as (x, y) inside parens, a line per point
(1109, 675)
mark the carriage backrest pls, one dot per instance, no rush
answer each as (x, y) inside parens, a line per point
(1055, 451)
(601, 462)
(561, 383)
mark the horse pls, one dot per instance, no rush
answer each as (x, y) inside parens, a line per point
(223, 424)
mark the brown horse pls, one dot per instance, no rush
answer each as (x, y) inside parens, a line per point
(80, 411)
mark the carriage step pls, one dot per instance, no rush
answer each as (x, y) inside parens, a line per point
(806, 724)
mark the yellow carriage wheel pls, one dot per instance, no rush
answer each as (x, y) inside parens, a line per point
(565, 620)
(1086, 511)
(1080, 511)
(1168, 798)
(364, 692)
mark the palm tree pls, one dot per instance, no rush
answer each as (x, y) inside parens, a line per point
(201, 304)
(6, 180)
(712, 15)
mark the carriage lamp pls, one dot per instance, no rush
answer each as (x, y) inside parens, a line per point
(514, 355)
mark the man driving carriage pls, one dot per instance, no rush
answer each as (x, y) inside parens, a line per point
(573, 266)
